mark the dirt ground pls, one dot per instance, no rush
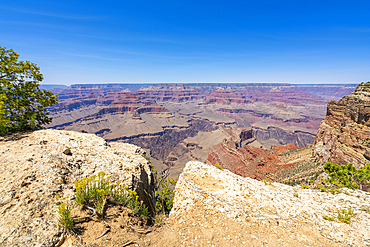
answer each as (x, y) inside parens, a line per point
(201, 227)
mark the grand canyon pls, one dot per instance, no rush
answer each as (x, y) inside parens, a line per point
(246, 128)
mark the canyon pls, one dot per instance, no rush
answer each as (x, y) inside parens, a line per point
(212, 206)
(175, 123)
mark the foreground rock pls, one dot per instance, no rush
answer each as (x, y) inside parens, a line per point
(35, 167)
(344, 135)
(220, 197)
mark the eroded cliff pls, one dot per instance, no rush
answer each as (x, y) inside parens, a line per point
(344, 135)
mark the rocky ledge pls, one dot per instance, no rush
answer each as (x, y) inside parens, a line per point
(37, 166)
(291, 215)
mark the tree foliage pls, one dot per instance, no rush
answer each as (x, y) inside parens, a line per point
(348, 176)
(22, 103)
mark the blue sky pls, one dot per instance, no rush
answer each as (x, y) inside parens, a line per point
(191, 41)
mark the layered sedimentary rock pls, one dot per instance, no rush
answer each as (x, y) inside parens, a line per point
(250, 161)
(35, 167)
(298, 138)
(344, 135)
(286, 212)
(246, 153)
(294, 96)
(79, 90)
(176, 93)
(223, 96)
(278, 113)
(136, 102)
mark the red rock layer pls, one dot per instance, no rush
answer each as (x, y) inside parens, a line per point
(248, 161)
(132, 101)
(177, 93)
(222, 96)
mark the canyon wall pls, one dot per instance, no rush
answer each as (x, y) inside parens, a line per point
(344, 135)
(296, 137)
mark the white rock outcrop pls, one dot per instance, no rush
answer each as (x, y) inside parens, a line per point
(249, 200)
(37, 166)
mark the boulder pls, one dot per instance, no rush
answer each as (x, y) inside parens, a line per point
(37, 166)
(285, 210)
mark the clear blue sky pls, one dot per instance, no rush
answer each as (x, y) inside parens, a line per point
(191, 41)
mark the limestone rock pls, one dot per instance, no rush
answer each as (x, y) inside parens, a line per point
(246, 200)
(344, 135)
(37, 166)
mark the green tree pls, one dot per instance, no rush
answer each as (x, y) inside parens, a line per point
(346, 176)
(22, 103)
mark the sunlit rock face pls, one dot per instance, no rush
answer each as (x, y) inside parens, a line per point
(37, 166)
(250, 202)
(344, 135)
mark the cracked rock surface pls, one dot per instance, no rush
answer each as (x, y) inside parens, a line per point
(252, 204)
(37, 166)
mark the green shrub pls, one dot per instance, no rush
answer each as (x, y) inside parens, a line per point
(165, 195)
(64, 210)
(367, 210)
(98, 188)
(296, 195)
(325, 217)
(348, 176)
(219, 166)
(267, 181)
(164, 192)
(305, 186)
(344, 215)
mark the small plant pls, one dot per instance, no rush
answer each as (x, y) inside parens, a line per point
(164, 192)
(219, 166)
(296, 195)
(345, 215)
(328, 218)
(64, 210)
(367, 210)
(267, 181)
(98, 188)
(322, 188)
(305, 186)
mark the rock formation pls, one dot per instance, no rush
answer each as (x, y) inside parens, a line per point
(149, 115)
(344, 135)
(174, 92)
(136, 102)
(296, 137)
(35, 167)
(285, 215)
(80, 90)
(243, 155)
(222, 96)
